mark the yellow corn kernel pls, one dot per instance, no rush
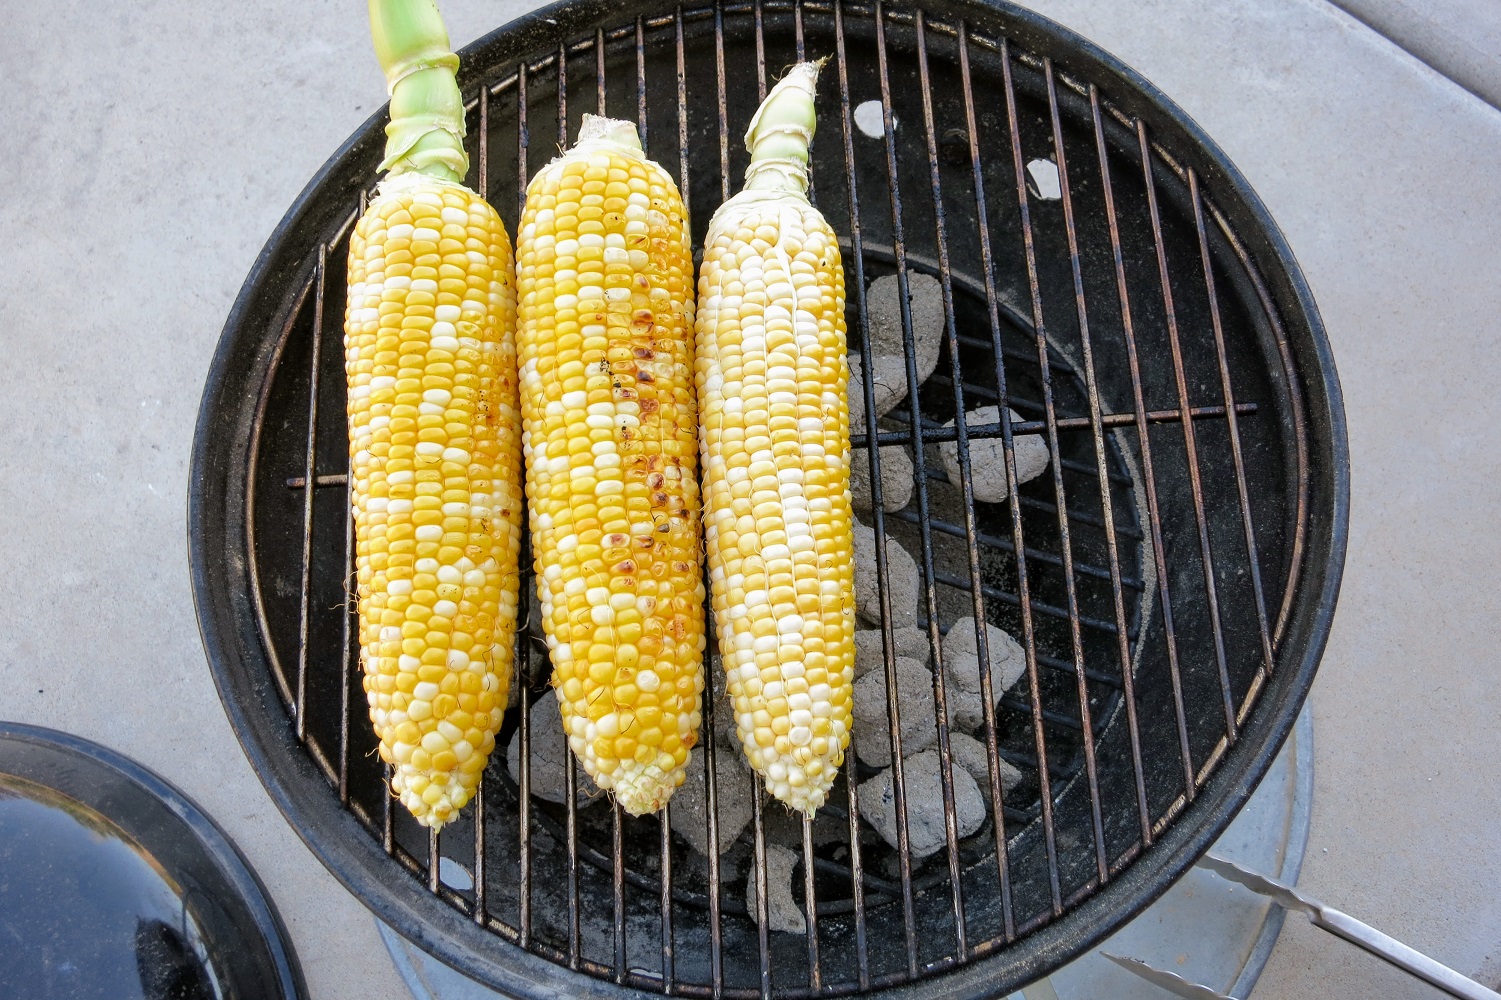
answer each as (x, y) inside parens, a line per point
(434, 449)
(605, 279)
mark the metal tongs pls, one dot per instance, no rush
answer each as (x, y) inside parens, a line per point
(1332, 920)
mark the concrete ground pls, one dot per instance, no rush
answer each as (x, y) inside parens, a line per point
(152, 147)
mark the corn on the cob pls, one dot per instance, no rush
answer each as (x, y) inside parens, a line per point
(772, 376)
(434, 435)
(605, 279)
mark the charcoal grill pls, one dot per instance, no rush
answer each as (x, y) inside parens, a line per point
(1171, 578)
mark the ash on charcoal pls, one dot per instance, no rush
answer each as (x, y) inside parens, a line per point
(896, 479)
(782, 912)
(901, 578)
(733, 789)
(987, 458)
(870, 651)
(888, 387)
(922, 778)
(961, 671)
(883, 307)
(914, 693)
(971, 755)
(549, 756)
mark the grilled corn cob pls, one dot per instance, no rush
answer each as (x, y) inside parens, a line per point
(605, 278)
(772, 375)
(434, 434)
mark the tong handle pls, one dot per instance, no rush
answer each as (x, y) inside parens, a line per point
(1389, 948)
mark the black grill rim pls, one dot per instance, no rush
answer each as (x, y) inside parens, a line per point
(226, 615)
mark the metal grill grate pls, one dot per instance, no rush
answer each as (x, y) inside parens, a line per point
(1151, 576)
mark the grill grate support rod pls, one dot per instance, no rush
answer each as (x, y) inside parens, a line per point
(1090, 767)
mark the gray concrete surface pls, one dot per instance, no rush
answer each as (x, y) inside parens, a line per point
(152, 148)
(1459, 38)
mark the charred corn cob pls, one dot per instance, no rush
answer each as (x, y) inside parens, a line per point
(434, 434)
(605, 278)
(772, 375)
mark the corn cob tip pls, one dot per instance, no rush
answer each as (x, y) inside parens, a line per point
(642, 789)
(450, 798)
(613, 131)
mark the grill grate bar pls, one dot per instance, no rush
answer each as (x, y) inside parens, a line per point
(723, 105)
(810, 904)
(992, 751)
(665, 852)
(1029, 639)
(351, 618)
(523, 647)
(893, 714)
(1128, 331)
(599, 70)
(570, 764)
(1023, 405)
(300, 711)
(665, 902)
(760, 52)
(802, 55)
(1190, 443)
(1117, 582)
(617, 838)
(944, 527)
(763, 944)
(349, 656)
(857, 879)
(1090, 768)
(570, 779)
(641, 84)
(1252, 562)
(1295, 405)
(524, 795)
(479, 912)
(711, 777)
(387, 820)
(617, 873)
(682, 81)
(710, 766)
(763, 906)
(561, 77)
(937, 433)
(940, 702)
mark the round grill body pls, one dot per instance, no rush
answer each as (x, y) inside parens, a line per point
(1104, 272)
